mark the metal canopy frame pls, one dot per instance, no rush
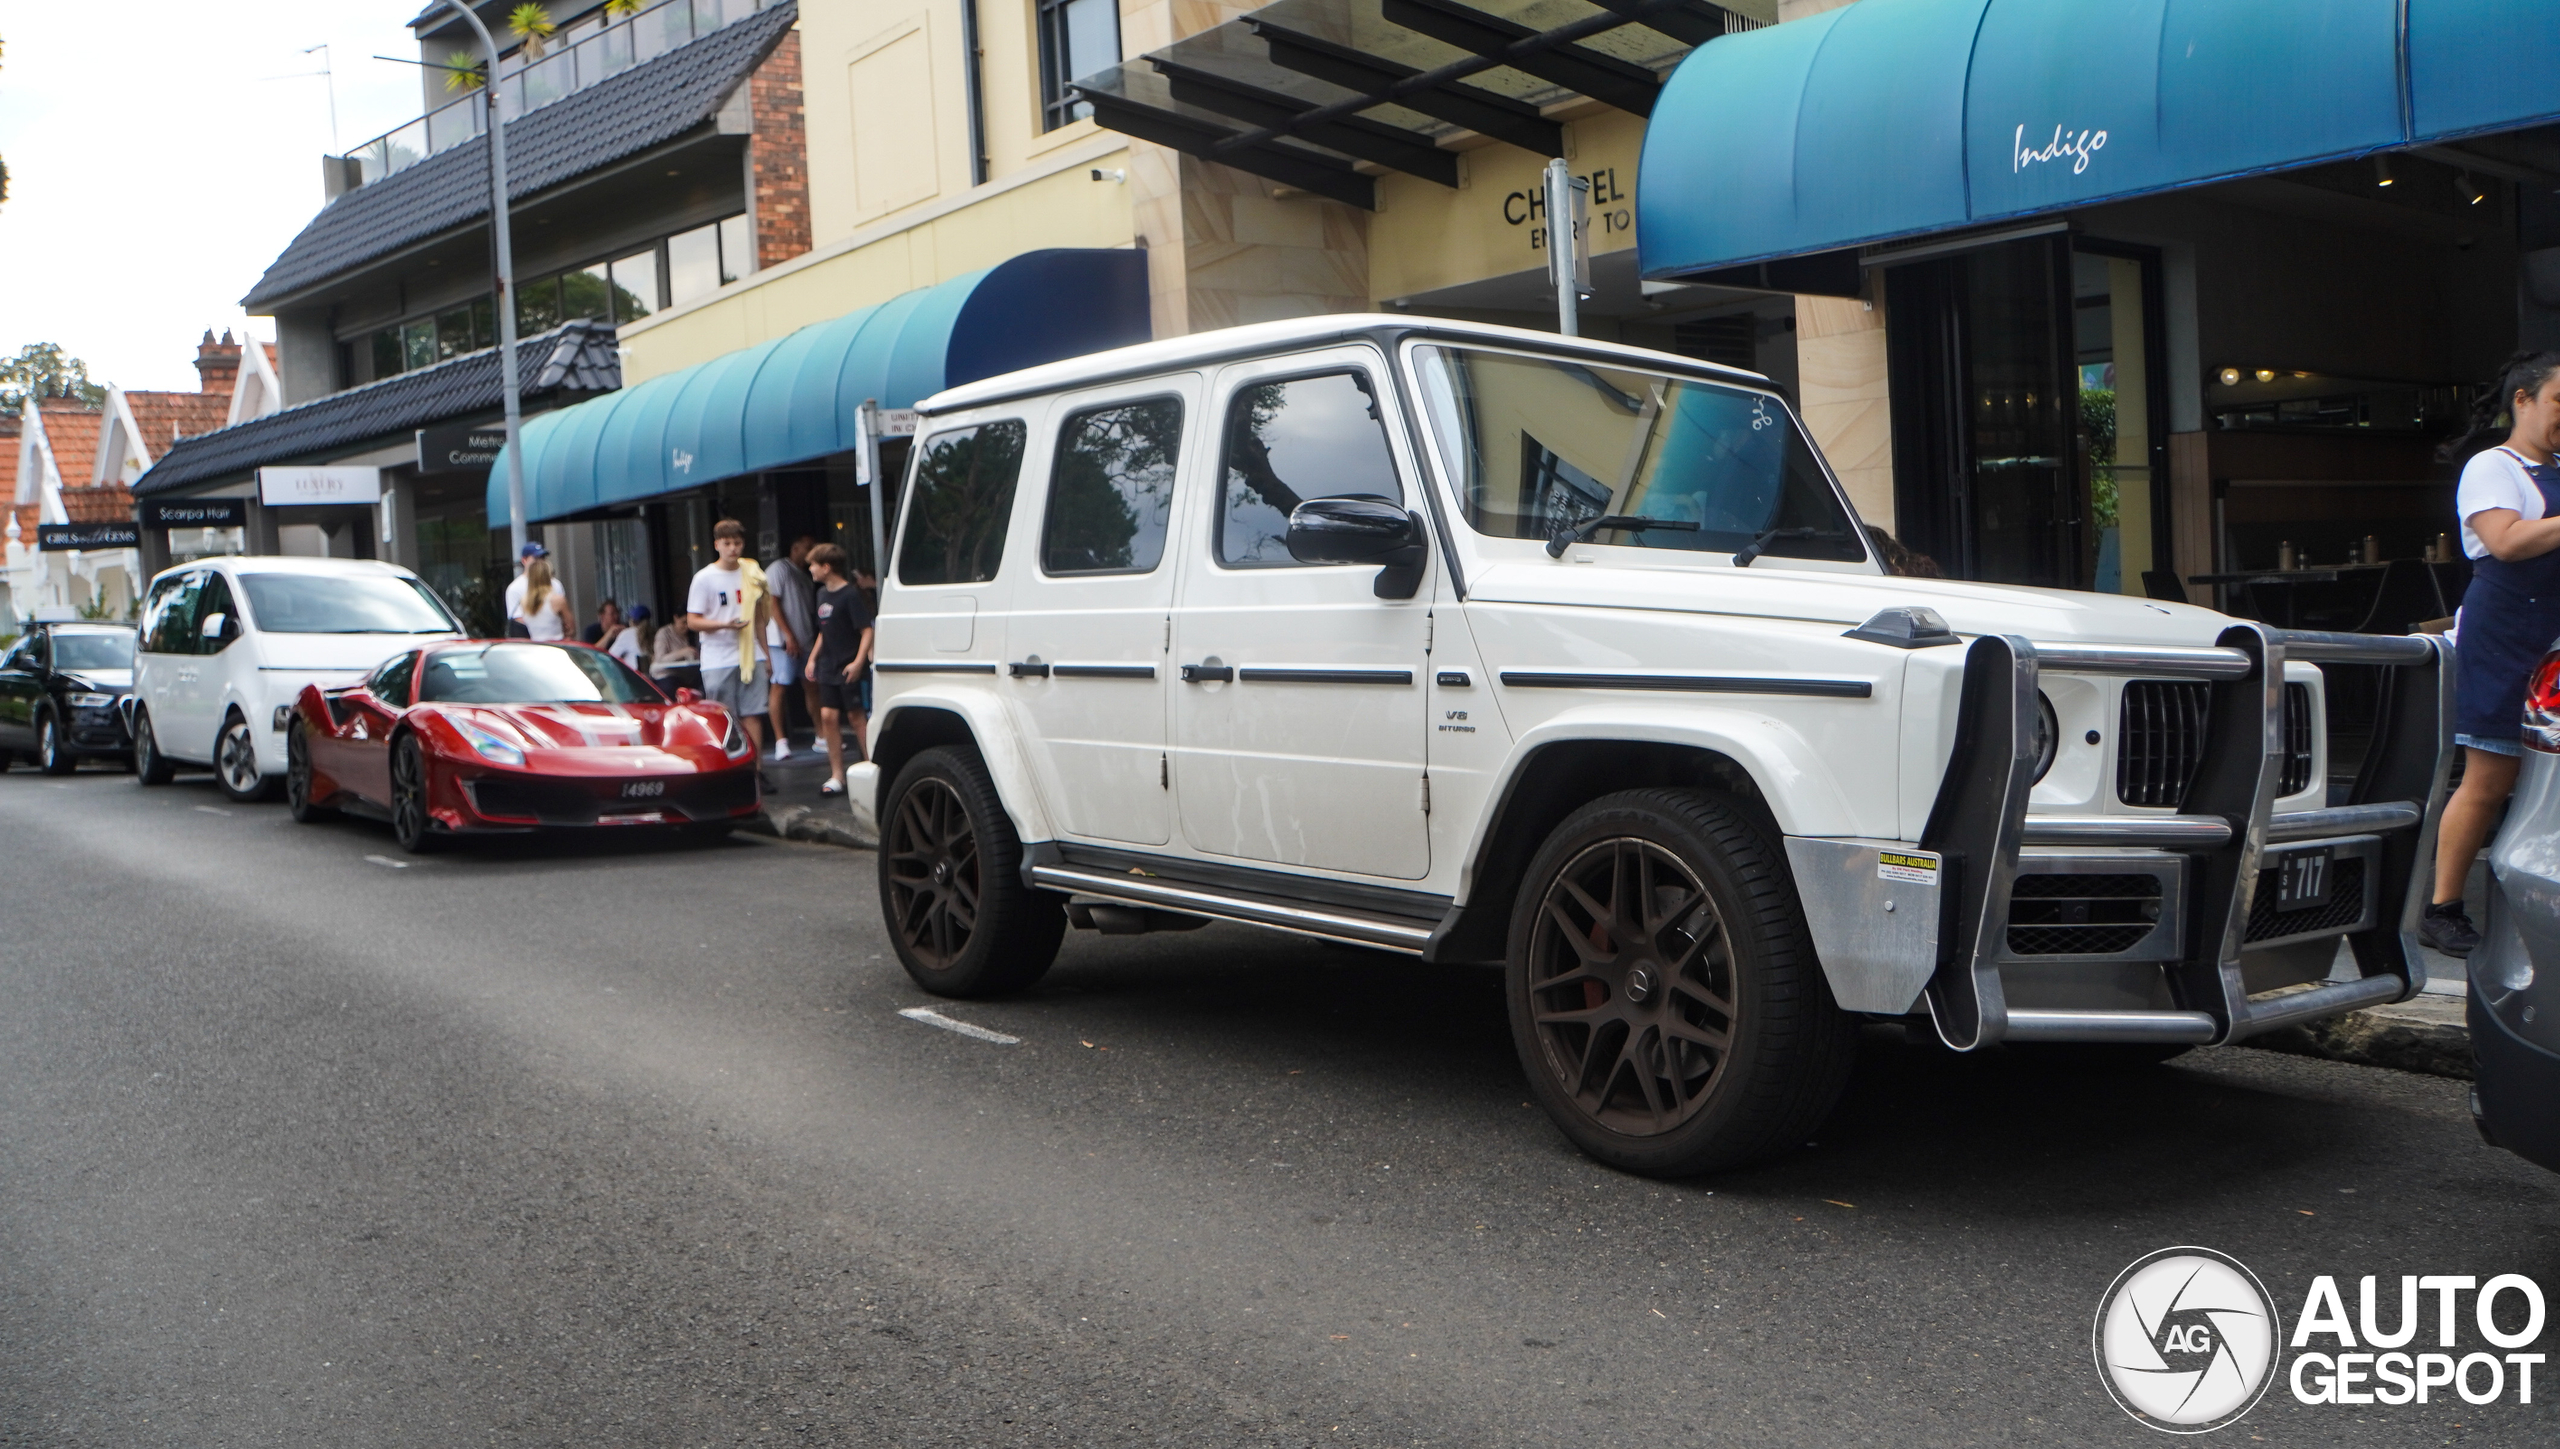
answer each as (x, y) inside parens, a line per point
(1267, 95)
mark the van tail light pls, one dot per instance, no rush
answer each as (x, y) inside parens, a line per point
(2542, 705)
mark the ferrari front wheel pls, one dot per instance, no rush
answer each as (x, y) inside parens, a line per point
(411, 825)
(297, 779)
(963, 922)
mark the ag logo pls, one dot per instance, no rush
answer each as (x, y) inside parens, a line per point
(2186, 1340)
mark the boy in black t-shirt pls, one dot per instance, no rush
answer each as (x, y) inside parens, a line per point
(838, 658)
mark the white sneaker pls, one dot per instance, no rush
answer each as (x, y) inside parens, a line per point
(782, 749)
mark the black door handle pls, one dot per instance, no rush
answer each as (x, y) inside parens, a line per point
(1208, 674)
(1032, 670)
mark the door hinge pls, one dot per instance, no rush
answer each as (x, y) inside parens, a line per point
(1168, 633)
(1426, 794)
(1430, 626)
(1164, 771)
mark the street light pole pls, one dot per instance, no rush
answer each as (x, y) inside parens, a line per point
(506, 283)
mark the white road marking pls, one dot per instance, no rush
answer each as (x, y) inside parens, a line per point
(931, 1017)
(387, 860)
(213, 810)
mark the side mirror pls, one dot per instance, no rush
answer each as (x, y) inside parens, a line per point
(213, 626)
(1362, 531)
(686, 695)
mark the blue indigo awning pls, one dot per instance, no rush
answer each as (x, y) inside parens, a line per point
(1897, 118)
(795, 398)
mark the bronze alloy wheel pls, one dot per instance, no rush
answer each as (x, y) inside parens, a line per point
(1631, 987)
(930, 865)
(962, 920)
(410, 823)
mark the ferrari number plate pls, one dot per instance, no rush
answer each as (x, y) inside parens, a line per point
(643, 789)
(2302, 880)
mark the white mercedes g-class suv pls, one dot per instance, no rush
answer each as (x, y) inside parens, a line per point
(1486, 645)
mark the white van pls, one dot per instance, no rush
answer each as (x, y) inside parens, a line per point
(227, 643)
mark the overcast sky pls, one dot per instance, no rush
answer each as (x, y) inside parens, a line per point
(154, 171)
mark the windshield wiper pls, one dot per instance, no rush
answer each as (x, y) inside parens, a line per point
(1564, 538)
(1767, 536)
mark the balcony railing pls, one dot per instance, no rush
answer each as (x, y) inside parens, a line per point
(585, 54)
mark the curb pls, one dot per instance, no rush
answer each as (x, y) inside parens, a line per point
(824, 825)
(2428, 1034)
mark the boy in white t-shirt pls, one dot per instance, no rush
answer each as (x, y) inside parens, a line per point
(715, 612)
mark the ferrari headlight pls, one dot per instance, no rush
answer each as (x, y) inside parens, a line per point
(735, 742)
(90, 701)
(489, 745)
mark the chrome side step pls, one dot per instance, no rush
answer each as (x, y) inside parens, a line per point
(2039, 1024)
(1358, 928)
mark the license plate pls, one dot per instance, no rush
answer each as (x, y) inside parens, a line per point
(2302, 880)
(643, 789)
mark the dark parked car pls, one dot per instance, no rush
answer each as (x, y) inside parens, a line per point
(2515, 998)
(61, 688)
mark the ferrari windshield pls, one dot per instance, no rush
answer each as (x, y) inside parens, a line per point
(531, 674)
(1544, 445)
(283, 603)
(104, 649)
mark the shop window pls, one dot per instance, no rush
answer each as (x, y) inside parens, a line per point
(537, 306)
(693, 264)
(962, 500)
(635, 286)
(418, 344)
(1077, 38)
(1307, 437)
(737, 249)
(388, 360)
(588, 293)
(454, 333)
(1112, 489)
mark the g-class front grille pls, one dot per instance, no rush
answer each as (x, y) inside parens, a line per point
(2081, 915)
(2160, 735)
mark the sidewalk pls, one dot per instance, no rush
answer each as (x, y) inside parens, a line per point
(794, 810)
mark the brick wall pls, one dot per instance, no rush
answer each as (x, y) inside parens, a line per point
(778, 156)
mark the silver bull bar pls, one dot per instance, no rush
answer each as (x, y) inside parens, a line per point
(2222, 828)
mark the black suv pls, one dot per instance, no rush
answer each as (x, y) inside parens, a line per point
(61, 688)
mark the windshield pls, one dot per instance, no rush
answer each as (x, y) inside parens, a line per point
(338, 604)
(532, 674)
(75, 652)
(1544, 445)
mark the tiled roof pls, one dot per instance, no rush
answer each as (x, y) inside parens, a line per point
(576, 357)
(111, 504)
(165, 417)
(10, 432)
(72, 428)
(645, 106)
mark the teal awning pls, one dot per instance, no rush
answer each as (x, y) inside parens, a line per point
(1897, 118)
(794, 399)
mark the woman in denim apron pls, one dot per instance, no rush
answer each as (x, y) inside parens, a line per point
(2509, 503)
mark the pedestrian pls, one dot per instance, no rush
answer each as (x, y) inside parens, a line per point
(673, 662)
(525, 556)
(544, 612)
(2509, 504)
(608, 622)
(723, 609)
(838, 659)
(790, 635)
(630, 642)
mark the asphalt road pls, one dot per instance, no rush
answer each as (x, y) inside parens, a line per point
(603, 1143)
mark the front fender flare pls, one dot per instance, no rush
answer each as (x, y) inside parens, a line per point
(993, 733)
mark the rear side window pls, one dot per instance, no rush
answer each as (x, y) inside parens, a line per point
(960, 503)
(1291, 440)
(390, 683)
(1111, 492)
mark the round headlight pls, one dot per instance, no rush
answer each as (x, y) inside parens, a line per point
(2048, 736)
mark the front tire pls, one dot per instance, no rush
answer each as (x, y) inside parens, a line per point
(1665, 1000)
(411, 825)
(951, 882)
(235, 762)
(149, 765)
(297, 778)
(52, 755)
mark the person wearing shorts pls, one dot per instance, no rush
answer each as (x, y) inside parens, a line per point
(716, 615)
(841, 654)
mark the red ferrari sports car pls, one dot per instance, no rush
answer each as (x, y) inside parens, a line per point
(508, 735)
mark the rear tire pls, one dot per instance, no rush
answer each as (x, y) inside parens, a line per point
(149, 765)
(951, 882)
(52, 755)
(411, 825)
(297, 779)
(1665, 999)
(235, 762)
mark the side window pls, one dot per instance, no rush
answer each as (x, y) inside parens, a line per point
(960, 503)
(216, 599)
(1111, 492)
(170, 628)
(1291, 440)
(37, 652)
(390, 683)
